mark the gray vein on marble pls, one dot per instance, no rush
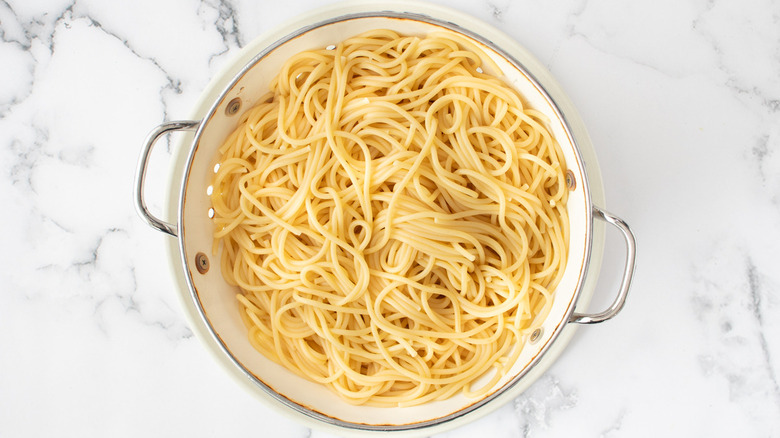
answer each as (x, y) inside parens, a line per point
(735, 77)
(22, 40)
(754, 286)
(768, 96)
(44, 30)
(226, 23)
(537, 406)
(27, 156)
(172, 84)
(763, 154)
(23, 37)
(737, 350)
(498, 10)
(102, 284)
(574, 31)
(128, 297)
(572, 17)
(614, 428)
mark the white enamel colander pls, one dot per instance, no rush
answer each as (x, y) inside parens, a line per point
(210, 302)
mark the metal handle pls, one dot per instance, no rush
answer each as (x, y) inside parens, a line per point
(628, 272)
(140, 175)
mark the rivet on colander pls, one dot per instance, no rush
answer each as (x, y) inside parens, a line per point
(233, 107)
(536, 335)
(202, 262)
(571, 183)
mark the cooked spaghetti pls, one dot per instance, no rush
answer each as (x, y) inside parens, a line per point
(395, 218)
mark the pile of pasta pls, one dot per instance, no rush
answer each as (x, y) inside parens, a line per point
(395, 219)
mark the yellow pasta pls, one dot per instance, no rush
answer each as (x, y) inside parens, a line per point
(394, 217)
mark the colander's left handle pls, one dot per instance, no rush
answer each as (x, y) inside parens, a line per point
(140, 175)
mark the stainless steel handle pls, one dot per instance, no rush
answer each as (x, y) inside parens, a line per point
(628, 272)
(140, 175)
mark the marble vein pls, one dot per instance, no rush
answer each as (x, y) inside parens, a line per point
(759, 81)
(569, 31)
(754, 286)
(226, 24)
(614, 429)
(764, 155)
(498, 10)
(737, 348)
(574, 29)
(172, 84)
(9, 25)
(27, 156)
(537, 407)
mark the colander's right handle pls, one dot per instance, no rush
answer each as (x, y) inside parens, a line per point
(628, 272)
(140, 175)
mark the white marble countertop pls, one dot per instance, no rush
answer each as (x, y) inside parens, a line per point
(681, 99)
